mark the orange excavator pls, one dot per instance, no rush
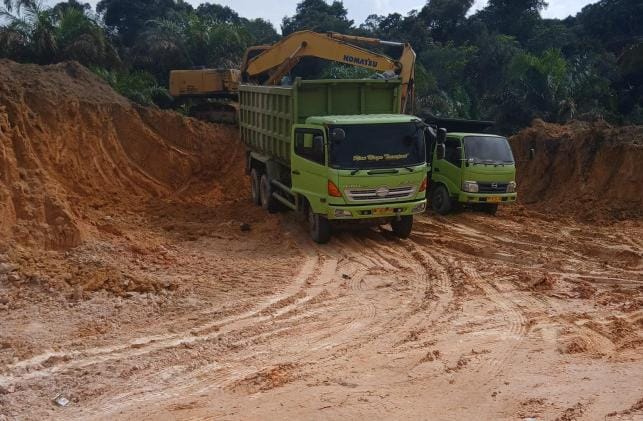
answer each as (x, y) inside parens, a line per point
(269, 64)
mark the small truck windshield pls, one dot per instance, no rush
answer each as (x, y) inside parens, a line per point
(378, 146)
(487, 150)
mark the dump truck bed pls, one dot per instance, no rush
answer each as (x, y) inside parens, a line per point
(267, 113)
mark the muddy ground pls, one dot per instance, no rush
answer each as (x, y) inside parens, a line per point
(138, 282)
(474, 317)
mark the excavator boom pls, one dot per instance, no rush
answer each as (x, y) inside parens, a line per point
(275, 61)
(211, 93)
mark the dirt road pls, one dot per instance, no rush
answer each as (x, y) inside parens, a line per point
(474, 317)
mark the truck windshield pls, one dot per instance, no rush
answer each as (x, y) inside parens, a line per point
(378, 146)
(488, 150)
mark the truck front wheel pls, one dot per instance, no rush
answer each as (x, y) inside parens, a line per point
(440, 200)
(268, 202)
(490, 208)
(319, 227)
(254, 185)
(402, 227)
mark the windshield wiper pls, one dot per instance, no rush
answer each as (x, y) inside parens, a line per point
(383, 171)
(355, 171)
(409, 169)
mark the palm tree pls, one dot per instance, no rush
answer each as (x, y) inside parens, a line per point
(30, 30)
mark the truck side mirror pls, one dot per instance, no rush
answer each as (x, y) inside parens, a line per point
(532, 154)
(337, 135)
(442, 135)
(440, 151)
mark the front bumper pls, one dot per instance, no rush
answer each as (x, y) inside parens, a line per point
(375, 210)
(499, 198)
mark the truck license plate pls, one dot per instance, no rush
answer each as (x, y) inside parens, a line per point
(382, 211)
(493, 199)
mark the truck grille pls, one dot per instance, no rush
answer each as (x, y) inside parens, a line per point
(492, 187)
(380, 194)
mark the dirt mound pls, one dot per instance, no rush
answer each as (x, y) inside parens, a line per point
(68, 142)
(588, 170)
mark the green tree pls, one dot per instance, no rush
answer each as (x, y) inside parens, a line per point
(139, 86)
(512, 17)
(615, 23)
(80, 38)
(317, 15)
(128, 17)
(445, 17)
(542, 84)
(30, 33)
(64, 32)
(217, 13)
(260, 30)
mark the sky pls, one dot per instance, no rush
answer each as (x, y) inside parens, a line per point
(358, 10)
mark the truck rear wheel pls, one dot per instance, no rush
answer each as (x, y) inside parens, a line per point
(268, 202)
(403, 227)
(440, 200)
(318, 226)
(254, 186)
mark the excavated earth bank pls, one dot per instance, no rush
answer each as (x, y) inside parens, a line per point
(588, 170)
(68, 141)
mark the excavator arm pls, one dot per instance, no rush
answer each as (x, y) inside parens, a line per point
(275, 61)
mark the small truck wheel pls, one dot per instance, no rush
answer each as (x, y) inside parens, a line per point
(440, 200)
(267, 201)
(490, 208)
(318, 226)
(403, 227)
(254, 187)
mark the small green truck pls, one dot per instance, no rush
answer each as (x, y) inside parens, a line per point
(337, 151)
(470, 169)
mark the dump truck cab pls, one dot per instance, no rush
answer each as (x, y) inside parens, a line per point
(471, 169)
(368, 167)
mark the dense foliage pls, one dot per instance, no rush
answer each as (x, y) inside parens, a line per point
(503, 62)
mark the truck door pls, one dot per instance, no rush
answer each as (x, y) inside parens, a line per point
(448, 171)
(309, 172)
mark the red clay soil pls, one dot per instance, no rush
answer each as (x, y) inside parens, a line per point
(68, 141)
(587, 170)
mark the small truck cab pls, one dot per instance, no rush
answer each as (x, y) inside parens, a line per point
(476, 170)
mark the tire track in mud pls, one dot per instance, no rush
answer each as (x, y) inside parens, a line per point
(459, 265)
(515, 328)
(354, 301)
(349, 319)
(252, 327)
(32, 367)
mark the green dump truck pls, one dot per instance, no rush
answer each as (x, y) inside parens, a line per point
(469, 169)
(338, 151)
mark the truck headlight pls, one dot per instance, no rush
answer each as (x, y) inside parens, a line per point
(511, 187)
(470, 186)
(342, 213)
(419, 208)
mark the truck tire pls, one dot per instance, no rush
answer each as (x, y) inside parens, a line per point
(268, 202)
(403, 227)
(440, 200)
(254, 187)
(489, 208)
(318, 226)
